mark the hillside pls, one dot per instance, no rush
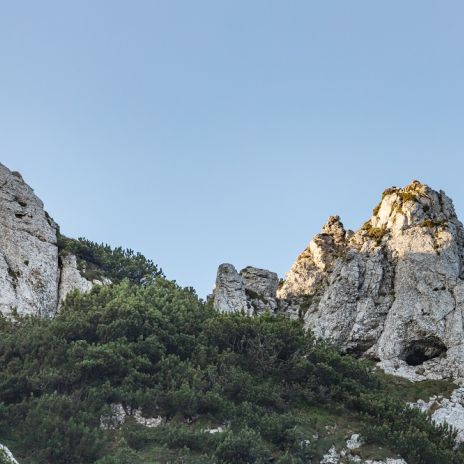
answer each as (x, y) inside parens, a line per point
(82, 387)
(104, 360)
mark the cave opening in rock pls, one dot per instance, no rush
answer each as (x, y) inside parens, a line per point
(419, 351)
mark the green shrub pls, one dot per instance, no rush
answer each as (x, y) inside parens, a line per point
(159, 348)
(408, 196)
(122, 455)
(98, 260)
(243, 447)
(376, 233)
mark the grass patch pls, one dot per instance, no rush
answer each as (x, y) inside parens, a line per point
(373, 452)
(432, 223)
(377, 233)
(405, 390)
(408, 196)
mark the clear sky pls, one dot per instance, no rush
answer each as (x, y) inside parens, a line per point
(201, 132)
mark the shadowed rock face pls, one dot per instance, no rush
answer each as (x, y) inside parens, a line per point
(393, 291)
(229, 292)
(30, 274)
(71, 278)
(28, 251)
(252, 290)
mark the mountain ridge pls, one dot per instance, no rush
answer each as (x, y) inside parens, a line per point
(392, 291)
(131, 367)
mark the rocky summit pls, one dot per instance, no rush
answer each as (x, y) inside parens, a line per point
(34, 279)
(393, 291)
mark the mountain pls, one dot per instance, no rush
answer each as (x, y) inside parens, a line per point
(393, 291)
(105, 361)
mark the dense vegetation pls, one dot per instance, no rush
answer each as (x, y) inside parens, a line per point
(271, 386)
(98, 260)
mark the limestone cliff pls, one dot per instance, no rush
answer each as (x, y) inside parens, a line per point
(393, 291)
(33, 278)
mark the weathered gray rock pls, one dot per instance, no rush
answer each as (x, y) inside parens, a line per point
(118, 415)
(354, 442)
(331, 457)
(71, 279)
(260, 289)
(260, 281)
(32, 280)
(253, 290)
(348, 454)
(446, 410)
(6, 456)
(387, 461)
(229, 293)
(394, 289)
(29, 271)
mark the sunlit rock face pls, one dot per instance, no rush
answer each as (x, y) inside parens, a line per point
(316, 261)
(393, 290)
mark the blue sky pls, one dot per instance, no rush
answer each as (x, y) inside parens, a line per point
(228, 131)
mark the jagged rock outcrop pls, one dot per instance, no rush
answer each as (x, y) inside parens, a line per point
(252, 290)
(32, 281)
(229, 292)
(393, 291)
(260, 288)
(316, 261)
